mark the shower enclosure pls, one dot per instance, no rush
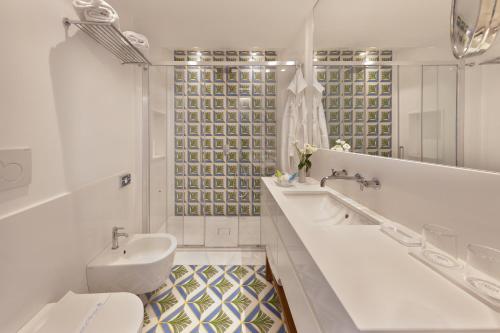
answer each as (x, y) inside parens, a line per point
(212, 135)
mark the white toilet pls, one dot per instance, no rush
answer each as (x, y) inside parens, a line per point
(89, 313)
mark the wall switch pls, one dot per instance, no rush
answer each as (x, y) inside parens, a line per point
(15, 168)
(125, 180)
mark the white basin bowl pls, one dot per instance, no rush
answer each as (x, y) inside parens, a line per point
(321, 208)
(140, 265)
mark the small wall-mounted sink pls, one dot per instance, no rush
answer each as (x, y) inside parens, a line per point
(322, 208)
(138, 266)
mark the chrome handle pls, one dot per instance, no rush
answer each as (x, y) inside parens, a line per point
(401, 152)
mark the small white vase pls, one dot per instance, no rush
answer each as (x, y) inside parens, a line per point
(302, 175)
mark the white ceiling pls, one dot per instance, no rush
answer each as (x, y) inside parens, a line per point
(382, 23)
(231, 24)
(274, 24)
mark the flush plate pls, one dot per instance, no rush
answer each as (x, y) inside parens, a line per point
(15, 168)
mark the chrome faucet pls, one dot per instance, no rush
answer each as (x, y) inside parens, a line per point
(115, 236)
(339, 175)
(374, 183)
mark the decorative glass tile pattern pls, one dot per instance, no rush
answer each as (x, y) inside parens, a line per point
(225, 132)
(358, 100)
(214, 299)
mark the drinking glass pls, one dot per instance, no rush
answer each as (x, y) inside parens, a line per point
(440, 245)
(482, 270)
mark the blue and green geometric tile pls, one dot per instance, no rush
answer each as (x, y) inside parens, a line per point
(214, 299)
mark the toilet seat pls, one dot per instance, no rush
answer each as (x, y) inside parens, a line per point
(122, 312)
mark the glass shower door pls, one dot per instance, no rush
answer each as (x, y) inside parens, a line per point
(221, 121)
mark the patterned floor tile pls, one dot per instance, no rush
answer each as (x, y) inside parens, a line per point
(214, 299)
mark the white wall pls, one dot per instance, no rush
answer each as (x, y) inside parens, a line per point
(75, 106)
(415, 193)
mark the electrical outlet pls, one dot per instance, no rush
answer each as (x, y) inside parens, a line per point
(125, 180)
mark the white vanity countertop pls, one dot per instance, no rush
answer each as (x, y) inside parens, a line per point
(379, 284)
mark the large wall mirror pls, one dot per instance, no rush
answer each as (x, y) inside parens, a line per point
(393, 87)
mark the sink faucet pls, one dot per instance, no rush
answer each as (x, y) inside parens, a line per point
(115, 236)
(340, 175)
(374, 183)
(363, 183)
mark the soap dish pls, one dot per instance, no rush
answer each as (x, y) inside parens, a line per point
(284, 184)
(439, 258)
(487, 288)
(401, 236)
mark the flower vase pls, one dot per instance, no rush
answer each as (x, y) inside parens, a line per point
(302, 175)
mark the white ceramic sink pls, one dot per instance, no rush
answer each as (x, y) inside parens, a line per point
(323, 209)
(141, 264)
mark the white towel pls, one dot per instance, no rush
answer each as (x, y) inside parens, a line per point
(96, 11)
(138, 40)
(73, 313)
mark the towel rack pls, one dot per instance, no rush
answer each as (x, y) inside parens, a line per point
(112, 39)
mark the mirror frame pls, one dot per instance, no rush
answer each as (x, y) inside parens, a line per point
(469, 39)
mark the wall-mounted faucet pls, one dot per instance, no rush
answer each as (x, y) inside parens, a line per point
(115, 236)
(373, 183)
(339, 175)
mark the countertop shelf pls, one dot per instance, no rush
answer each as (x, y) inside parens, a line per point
(108, 36)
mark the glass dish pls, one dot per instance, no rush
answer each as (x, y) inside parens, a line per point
(401, 236)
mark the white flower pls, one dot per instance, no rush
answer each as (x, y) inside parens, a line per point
(346, 147)
(337, 148)
(310, 149)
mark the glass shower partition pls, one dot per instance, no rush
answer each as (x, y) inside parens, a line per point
(212, 136)
(427, 113)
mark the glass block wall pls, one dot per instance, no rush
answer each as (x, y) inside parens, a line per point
(358, 100)
(225, 133)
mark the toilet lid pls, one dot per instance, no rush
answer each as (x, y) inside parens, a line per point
(121, 312)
